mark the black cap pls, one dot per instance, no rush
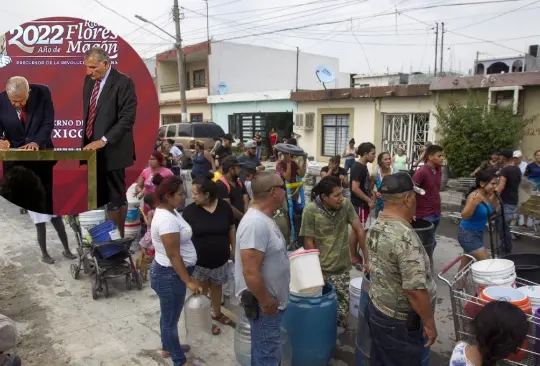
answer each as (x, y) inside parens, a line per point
(229, 162)
(229, 137)
(507, 153)
(400, 182)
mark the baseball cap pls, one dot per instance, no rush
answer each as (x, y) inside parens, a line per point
(229, 162)
(400, 182)
(8, 333)
(518, 154)
(250, 145)
(229, 137)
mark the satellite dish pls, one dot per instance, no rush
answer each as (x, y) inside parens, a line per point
(324, 74)
(222, 88)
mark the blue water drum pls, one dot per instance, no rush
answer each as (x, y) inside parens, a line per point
(311, 323)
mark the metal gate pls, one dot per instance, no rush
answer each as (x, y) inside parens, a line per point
(406, 131)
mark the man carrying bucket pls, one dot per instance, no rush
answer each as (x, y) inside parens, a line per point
(325, 225)
(401, 280)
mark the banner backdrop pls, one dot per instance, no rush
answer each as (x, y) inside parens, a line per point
(50, 51)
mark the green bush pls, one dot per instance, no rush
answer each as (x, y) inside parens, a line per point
(471, 130)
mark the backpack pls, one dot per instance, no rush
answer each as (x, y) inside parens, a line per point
(224, 180)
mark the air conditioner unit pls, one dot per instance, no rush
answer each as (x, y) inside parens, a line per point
(299, 121)
(310, 121)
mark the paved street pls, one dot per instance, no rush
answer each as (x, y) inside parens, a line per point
(60, 324)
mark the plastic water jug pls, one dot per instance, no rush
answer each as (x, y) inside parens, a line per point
(197, 310)
(242, 343)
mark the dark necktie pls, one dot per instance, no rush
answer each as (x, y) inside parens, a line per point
(23, 116)
(92, 110)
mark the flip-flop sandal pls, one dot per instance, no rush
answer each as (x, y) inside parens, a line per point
(216, 330)
(185, 348)
(223, 319)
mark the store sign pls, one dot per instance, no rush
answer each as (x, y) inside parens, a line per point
(50, 51)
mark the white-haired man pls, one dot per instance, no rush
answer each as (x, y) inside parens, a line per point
(26, 122)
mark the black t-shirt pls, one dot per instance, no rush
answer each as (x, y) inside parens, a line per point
(235, 194)
(222, 152)
(258, 140)
(360, 173)
(337, 174)
(210, 233)
(512, 174)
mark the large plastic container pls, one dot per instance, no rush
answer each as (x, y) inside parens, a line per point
(426, 232)
(509, 294)
(306, 270)
(89, 219)
(527, 266)
(493, 272)
(533, 293)
(316, 317)
(355, 291)
(132, 226)
(197, 310)
(104, 232)
(242, 343)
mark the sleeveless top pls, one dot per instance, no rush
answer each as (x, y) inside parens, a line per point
(479, 218)
(458, 356)
(400, 162)
(200, 164)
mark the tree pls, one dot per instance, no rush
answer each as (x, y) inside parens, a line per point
(471, 130)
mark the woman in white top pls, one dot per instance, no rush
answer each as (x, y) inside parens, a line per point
(173, 264)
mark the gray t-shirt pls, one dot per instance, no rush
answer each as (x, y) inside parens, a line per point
(260, 232)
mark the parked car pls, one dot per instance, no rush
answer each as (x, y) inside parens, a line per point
(185, 135)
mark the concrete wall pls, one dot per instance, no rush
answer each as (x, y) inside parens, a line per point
(365, 121)
(221, 111)
(205, 109)
(530, 141)
(267, 69)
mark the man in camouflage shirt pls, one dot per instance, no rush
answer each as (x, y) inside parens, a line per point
(325, 226)
(399, 312)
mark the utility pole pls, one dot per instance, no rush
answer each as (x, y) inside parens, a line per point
(476, 62)
(180, 60)
(442, 48)
(207, 24)
(297, 59)
(436, 46)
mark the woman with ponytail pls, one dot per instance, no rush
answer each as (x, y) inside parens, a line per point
(174, 262)
(475, 214)
(325, 226)
(500, 329)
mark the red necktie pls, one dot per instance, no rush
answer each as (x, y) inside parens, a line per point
(23, 115)
(92, 110)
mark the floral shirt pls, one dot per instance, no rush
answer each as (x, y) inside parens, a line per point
(459, 358)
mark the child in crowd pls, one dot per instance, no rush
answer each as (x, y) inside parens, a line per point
(500, 329)
(148, 213)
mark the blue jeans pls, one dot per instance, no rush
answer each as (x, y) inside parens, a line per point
(504, 230)
(172, 293)
(348, 164)
(259, 152)
(392, 344)
(266, 339)
(434, 219)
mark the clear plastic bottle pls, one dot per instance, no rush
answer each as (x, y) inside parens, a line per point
(197, 310)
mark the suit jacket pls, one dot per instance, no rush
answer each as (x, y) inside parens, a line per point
(115, 116)
(39, 119)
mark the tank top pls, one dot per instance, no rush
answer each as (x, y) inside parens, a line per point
(200, 164)
(400, 162)
(479, 218)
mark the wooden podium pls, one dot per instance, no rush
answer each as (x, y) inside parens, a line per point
(60, 155)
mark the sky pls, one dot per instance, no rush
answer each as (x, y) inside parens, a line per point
(368, 36)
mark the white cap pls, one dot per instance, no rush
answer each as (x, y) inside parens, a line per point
(518, 154)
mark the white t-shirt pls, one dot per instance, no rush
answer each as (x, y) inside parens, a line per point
(459, 358)
(176, 152)
(165, 222)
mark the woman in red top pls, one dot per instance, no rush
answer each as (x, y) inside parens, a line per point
(273, 140)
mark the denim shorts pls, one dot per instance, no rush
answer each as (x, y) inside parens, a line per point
(470, 240)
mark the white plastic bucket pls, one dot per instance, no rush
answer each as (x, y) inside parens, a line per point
(91, 218)
(306, 273)
(355, 289)
(533, 292)
(493, 272)
(482, 283)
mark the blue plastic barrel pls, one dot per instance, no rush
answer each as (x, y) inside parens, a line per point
(311, 323)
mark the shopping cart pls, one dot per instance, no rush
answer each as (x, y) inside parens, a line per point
(466, 303)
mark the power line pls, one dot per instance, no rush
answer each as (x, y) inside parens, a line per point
(126, 18)
(275, 7)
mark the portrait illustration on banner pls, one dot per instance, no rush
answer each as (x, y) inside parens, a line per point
(4, 58)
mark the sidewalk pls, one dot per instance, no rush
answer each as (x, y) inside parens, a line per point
(60, 324)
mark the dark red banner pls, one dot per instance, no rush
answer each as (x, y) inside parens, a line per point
(50, 51)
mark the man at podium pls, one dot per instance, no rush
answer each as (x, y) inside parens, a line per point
(26, 123)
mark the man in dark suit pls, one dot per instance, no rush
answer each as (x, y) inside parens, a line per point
(26, 122)
(110, 106)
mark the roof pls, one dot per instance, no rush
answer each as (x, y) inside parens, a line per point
(359, 93)
(367, 76)
(486, 81)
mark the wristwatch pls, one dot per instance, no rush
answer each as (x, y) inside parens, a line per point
(104, 139)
